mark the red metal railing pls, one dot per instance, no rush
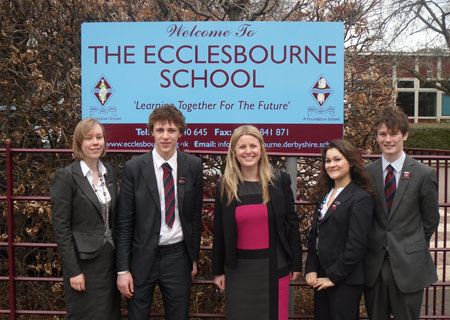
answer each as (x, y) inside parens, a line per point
(436, 300)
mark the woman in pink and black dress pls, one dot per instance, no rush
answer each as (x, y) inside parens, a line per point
(257, 247)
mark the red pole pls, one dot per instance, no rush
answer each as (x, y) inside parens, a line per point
(10, 215)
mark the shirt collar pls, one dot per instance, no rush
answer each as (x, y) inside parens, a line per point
(86, 170)
(159, 161)
(397, 164)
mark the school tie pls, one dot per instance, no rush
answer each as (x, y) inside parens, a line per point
(390, 187)
(169, 194)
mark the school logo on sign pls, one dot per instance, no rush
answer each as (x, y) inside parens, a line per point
(321, 91)
(103, 92)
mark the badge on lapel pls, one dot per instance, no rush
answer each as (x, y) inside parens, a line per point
(182, 180)
(335, 205)
(405, 175)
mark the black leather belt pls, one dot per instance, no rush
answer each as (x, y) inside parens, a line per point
(170, 248)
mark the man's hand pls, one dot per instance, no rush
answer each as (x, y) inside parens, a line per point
(78, 283)
(125, 284)
(194, 270)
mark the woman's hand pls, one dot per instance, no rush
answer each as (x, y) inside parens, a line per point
(78, 283)
(294, 275)
(311, 278)
(323, 283)
(220, 282)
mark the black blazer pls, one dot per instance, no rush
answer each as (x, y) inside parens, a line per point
(139, 217)
(282, 202)
(343, 237)
(76, 215)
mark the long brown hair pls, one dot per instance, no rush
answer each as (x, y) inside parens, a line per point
(233, 174)
(358, 173)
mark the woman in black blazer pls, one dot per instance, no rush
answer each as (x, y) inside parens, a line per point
(256, 247)
(340, 231)
(84, 203)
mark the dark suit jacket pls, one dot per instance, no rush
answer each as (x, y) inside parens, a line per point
(343, 235)
(406, 231)
(282, 202)
(76, 215)
(139, 218)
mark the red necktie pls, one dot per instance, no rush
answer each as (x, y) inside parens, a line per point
(169, 194)
(390, 187)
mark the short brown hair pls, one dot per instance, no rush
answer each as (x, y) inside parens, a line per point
(81, 131)
(167, 113)
(394, 119)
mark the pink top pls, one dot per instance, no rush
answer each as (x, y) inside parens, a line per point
(252, 225)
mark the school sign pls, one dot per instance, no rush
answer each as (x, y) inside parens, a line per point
(286, 78)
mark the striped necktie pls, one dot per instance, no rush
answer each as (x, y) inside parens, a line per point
(390, 187)
(169, 194)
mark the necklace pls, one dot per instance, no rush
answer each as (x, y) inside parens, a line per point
(104, 203)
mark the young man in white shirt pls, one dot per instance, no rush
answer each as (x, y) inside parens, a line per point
(398, 264)
(159, 221)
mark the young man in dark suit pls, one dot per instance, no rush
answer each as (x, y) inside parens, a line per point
(398, 264)
(159, 221)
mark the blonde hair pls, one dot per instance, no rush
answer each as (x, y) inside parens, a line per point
(233, 175)
(81, 131)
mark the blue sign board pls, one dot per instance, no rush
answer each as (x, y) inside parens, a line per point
(216, 73)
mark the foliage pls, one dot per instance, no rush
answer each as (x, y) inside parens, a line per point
(368, 89)
(41, 97)
(429, 136)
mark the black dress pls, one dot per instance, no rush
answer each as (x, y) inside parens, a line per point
(258, 287)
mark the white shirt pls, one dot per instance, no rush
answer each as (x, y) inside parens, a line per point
(167, 235)
(89, 174)
(324, 208)
(397, 165)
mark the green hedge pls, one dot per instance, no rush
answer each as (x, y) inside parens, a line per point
(429, 136)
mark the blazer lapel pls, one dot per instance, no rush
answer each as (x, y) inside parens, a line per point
(276, 198)
(229, 223)
(341, 198)
(148, 172)
(109, 180)
(182, 172)
(408, 166)
(85, 186)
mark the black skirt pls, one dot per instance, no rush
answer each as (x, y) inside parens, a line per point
(101, 300)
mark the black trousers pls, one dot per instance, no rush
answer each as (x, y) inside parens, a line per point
(385, 298)
(101, 300)
(171, 270)
(340, 302)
